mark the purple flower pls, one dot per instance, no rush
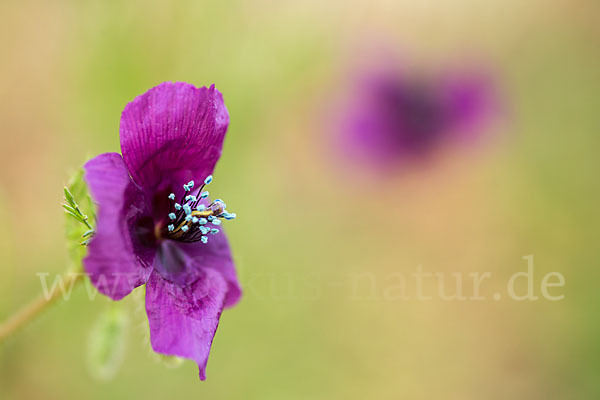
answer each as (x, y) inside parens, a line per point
(154, 227)
(393, 118)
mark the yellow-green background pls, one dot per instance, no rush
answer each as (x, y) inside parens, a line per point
(67, 68)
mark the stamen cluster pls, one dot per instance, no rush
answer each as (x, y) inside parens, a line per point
(190, 220)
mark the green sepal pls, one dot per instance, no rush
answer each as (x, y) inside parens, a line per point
(71, 211)
(80, 219)
(88, 233)
(69, 196)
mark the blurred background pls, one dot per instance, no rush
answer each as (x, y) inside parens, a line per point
(308, 222)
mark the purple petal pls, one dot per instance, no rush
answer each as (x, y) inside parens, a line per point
(183, 320)
(174, 265)
(182, 263)
(114, 263)
(470, 102)
(173, 133)
(216, 255)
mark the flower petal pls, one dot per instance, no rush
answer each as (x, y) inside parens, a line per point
(174, 265)
(216, 255)
(114, 263)
(173, 133)
(183, 320)
(470, 102)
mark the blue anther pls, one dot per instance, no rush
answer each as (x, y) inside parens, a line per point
(211, 217)
(204, 195)
(185, 228)
(204, 230)
(190, 184)
(186, 188)
(171, 228)
(172, 196)
(201, 207)
(214, 231)
(177, 206)
(194, 220)
(172, 216)
(188, 218)
(229, 216)
(218, 203)
(208, 180)
(216, 222)
(202, 221)
(190, 197)
(204, 239)
(187, 209)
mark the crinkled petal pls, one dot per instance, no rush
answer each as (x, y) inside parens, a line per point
(183, 320)
(182, 263)
(113, 262)
(216, 254)
(173, 133)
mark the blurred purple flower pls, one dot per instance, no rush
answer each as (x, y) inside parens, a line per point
(393, 118)
(170, 135)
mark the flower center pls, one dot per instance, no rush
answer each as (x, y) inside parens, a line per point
(416, 112)
(192, 219)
